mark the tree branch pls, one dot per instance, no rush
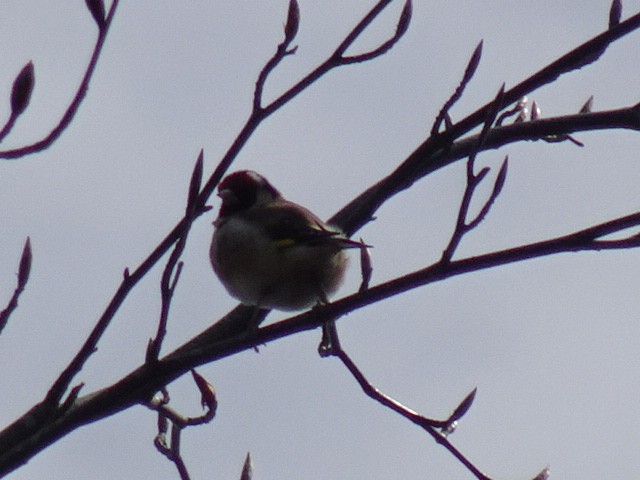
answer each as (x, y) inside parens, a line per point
(65, 121)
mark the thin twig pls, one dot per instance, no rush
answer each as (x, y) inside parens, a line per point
(256, 117)
(23, 439)
(173, 268)
(470, 70)
(166, 415)
(401, 28)
(433, 427)
(73, 107)
(473, 180)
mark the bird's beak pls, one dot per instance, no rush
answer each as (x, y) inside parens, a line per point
(227, 196)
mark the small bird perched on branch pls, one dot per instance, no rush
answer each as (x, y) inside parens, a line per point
(272, 253)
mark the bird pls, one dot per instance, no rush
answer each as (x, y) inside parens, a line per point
(272, 253)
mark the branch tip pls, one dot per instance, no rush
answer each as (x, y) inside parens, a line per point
(293, 22)
(405, 19)
(25, 264)
(615, 13)
(96, 7)
(22, 88)
(195, 183)
(463, 407)
(366, 268)
(544, 474)
(247, 468)
(588, 106)
(208, 394)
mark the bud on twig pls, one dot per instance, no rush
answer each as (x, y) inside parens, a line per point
(464, 406)
(22, 88)
(194, 184)
(293, 22)
(588, 105)
(25, 265)
(96, 7)
(543, 475)
(535, 111)
(247, 469)
(366, 269)
(615, 13)
(207, 392)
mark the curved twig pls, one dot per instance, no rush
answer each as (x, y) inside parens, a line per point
(72, 109)
(256, 117)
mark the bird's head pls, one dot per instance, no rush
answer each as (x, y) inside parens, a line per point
(244, 189)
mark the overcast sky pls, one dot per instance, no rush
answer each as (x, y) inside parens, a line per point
(551, 344)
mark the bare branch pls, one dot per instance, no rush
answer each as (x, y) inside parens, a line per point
(472, 66)
(433, 427)
(424, 161)
(401, 28)
(473, 180)
(166, 416)
(47, 421)
(497, 188)
(73, 107)
(579, 57)
(283, 50)
(22, 440)
(173, 268)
